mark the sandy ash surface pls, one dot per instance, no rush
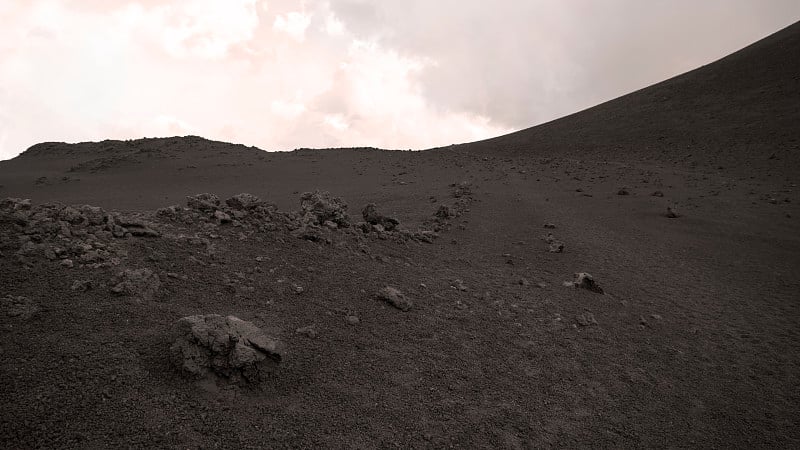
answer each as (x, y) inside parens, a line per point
(693, 342)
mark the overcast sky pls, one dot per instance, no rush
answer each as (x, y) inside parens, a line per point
(403, 74)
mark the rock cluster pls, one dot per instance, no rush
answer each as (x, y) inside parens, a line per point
(321, 208)
(81, 235)
(227, 347)
(241, 210)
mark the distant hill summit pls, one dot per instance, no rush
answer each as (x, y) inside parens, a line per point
(740, 110)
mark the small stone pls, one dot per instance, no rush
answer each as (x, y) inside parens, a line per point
(222, 217)
(556, 247)
(67, 263)
(394, 297)
(550, 225)
(586, 319)
(352, 320)
(523, 282)
(657, 194)
(585, 281)
(541, 285)
(623, 191)
(672, 212)
(308, 331)
(81, 286)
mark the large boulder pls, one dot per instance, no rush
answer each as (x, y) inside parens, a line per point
(373, 217)
(228, 347)
(320, 206)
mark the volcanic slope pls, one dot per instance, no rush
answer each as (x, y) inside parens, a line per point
(694, 340)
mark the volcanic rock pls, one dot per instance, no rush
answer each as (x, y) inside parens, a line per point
(140, 283)
(585, 281)
(203, 202)
(18, 307)
(244, 201)
(371, 216)
(320, 206)
(394, 297)
(227, 347)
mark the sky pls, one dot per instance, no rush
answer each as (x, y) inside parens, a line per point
(396, 74)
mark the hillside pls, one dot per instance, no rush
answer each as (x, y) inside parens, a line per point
(670, 198)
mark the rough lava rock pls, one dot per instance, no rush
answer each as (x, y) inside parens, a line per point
(244, 201)
(203, 202)
(228, 347)
(585, 281)
(371, 216)
(140, 283)
(320, 206)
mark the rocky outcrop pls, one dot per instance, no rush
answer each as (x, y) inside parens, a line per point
(226, 347)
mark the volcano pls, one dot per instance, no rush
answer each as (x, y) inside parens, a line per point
(626, 276)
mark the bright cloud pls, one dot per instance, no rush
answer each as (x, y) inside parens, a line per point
(294, 24)
(282, 74)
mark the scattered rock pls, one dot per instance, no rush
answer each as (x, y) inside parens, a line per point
(18, 307)
(586, 319)
(556, 247)
(458, 284)
(226, 347)
(140, 283)
(672, 212)
(81, 285)
(352, 320)
(585, 281)
(394, 297)
(371, 216)
(308, 331)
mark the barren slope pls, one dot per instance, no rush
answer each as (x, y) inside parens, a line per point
(694, 342)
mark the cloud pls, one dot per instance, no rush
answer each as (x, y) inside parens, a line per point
(293, 23)
(282, 74)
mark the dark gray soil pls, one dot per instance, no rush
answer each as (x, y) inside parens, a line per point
(694, 340)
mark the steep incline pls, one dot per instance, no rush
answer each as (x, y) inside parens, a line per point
(737, 111)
